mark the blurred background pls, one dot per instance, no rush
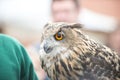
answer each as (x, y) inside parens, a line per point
(24, 20)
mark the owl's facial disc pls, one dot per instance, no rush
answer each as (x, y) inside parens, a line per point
(58, 37)
(53, 44)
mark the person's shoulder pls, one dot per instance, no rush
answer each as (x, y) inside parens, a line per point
(6, 39)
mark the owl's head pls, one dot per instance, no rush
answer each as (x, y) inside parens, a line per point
(58, 38)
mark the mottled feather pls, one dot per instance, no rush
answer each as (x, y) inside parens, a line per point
(76, 57)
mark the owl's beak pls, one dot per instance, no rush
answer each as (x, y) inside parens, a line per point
(47, 48)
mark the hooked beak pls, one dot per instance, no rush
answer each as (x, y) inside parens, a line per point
(47, 48)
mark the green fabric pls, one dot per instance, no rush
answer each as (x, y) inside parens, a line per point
(14, 61)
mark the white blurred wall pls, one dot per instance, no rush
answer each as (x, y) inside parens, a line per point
(31, 13)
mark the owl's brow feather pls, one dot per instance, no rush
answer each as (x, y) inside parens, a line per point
(73, 26)
(66, 27)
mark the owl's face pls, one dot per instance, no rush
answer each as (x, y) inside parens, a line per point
(57, 38)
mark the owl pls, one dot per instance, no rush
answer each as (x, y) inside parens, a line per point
(66, 53)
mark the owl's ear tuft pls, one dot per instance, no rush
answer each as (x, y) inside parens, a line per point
(46, 25)
(76, 25)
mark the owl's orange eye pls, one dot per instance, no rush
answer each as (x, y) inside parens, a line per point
(59, 36)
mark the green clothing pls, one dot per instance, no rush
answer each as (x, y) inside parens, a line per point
(14, 61)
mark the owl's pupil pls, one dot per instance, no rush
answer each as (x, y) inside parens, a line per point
(59, 34)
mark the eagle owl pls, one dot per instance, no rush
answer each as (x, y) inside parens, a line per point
(67, 54)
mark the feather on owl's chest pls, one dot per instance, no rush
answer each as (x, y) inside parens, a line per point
(81, 67)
